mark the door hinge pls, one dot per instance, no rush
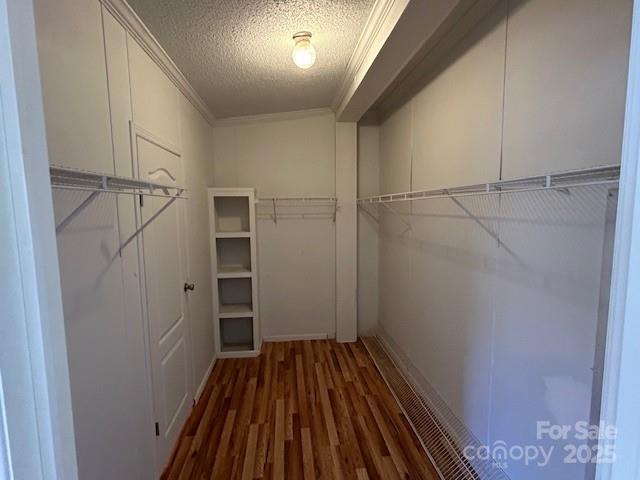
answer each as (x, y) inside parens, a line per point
(142, 200)
(157, 429)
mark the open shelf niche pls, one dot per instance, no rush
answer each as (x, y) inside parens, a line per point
(234, 297)
(234, 268)
(236, 334)
(232, 214)
(234, 257)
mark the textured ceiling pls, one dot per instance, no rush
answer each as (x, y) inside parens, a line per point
(237, 54)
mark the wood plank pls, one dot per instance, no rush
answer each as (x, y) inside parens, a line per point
(307, 455)
(301, 410)
(327, 411)
(278, 451)
(250, 453)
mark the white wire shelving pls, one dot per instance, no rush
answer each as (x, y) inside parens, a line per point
(608, 175)
(604, 175)
(87, 181)
(316, 207)
(64, 178)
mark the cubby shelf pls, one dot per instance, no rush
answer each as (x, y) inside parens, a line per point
(236, 310)
(237, 347)
(225, 271)
(233, 234)
(233, 259)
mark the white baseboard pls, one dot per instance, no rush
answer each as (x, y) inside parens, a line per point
(290, 338)
(203, 382)
(239, 354)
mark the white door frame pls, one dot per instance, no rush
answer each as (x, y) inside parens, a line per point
(35, 399)
(621, 388)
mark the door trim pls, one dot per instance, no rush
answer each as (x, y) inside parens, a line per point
(36, 410)
(621, 387)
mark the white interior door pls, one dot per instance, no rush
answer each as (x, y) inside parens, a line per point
(165, 275)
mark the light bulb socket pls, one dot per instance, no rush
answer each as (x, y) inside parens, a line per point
(303, 35)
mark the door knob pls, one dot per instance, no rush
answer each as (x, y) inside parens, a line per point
(189, 286)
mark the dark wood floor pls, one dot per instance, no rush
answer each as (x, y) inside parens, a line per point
(312, 410)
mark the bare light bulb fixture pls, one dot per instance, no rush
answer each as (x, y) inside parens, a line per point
(304, 55)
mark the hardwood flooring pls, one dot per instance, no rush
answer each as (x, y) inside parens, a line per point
(309, 409)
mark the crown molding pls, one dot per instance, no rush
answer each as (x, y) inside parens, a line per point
(382, 19)
(125, 15)
(271, 117)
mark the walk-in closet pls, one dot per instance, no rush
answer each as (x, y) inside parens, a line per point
(350, 239)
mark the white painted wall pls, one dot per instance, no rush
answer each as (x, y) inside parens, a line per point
(585, 61)
(506, 340)
(368, 185)
(91, 280)
(287, 156)
(457, 118)
(96, 80)
(346, 232)
(296, 287)
(278, 156)
(396, 144)
(196, 151)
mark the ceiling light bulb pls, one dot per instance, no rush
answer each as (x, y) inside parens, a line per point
(304, 55)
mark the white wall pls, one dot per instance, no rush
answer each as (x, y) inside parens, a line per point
(285, 156)
(346, 231)
(396, 143)
(96, 80)
(368, 185)
(506, 334)
(91, 282)
(277, 156)
(197, 150)
(457, 118)
(582, 51)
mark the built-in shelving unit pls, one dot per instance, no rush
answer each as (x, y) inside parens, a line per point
(234, 270)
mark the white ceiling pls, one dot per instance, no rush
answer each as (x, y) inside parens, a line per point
(237, 55)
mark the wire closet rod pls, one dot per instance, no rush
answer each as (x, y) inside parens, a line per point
(604, 175)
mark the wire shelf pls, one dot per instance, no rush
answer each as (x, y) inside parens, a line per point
(316, 207)
(84, 180)
(609, 174)
(97, 183)
(298, 201)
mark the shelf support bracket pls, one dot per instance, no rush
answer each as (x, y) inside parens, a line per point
(407, 224)
(148, 222)
(368, 213)
(490, 232)
(69, 218)
(275, 214)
